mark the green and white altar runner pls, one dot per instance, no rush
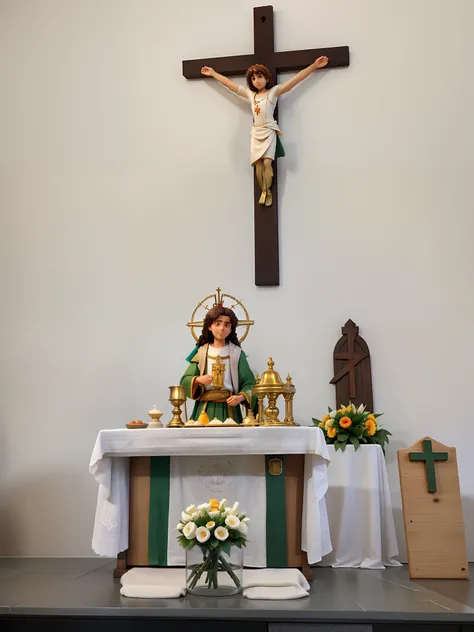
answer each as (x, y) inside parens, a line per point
(176, 481)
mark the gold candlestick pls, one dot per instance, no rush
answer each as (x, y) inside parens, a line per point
(177, 398)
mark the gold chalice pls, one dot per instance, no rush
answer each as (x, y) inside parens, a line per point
(177, 398)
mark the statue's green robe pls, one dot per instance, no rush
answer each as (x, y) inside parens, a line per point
(242, 378)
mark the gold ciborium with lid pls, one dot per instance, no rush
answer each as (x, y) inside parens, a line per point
(271, 386)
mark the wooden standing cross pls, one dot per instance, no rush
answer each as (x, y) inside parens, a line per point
(267, 268)
(433, 516)
(429, 457)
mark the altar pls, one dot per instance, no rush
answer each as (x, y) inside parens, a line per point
(287, 508)
(121, 464)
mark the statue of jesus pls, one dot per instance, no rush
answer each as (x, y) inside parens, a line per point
(263, 95)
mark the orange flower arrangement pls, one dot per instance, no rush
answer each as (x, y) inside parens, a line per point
(349, 424)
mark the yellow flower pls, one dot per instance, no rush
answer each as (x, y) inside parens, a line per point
(345, 422)
(341, 410)
(214, 504)
(321, 424)
(325, 418)
(332, 432)
(371, 426)
(329, 423)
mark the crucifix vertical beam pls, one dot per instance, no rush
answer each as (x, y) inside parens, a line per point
(266, 237)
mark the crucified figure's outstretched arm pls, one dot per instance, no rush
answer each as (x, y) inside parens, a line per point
(225, 81)
(298, 78)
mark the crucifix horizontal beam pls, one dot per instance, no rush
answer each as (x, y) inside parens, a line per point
(285, 61)
(267, 266)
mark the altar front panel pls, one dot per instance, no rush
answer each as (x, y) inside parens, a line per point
(272, 501)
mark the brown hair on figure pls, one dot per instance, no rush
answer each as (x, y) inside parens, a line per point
(259, 69)
(212, 315)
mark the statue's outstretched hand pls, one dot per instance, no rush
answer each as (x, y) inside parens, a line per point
(321, 62)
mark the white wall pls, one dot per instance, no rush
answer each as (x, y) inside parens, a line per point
(126, 196)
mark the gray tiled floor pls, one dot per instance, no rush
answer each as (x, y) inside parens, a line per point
(86, 586)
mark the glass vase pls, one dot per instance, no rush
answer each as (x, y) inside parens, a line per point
(213, 571)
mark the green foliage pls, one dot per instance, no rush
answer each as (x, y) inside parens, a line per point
(355, 442)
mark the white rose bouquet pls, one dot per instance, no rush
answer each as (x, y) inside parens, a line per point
(215, 528)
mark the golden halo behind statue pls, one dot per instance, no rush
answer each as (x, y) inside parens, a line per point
(218, 299)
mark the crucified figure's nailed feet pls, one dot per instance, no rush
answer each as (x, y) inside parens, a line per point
(264, 175)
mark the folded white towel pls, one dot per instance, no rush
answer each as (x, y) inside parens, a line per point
(138, 591)
(275, 592)
(170, 583)
(153, 583)
(274, 577)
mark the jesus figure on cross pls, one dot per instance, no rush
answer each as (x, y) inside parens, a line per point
(263, 95)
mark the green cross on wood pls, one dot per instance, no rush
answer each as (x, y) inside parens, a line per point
(429, 457)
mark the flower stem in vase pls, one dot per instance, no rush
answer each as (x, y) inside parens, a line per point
(198, 571)
(228, 568)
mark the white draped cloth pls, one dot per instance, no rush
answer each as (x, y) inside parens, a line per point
(110, 467)
(264, 129)
(360, 510)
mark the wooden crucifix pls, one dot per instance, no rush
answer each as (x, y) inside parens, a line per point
(352, 373)
(267, 268)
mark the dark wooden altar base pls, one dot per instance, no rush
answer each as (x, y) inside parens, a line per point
(80, 595)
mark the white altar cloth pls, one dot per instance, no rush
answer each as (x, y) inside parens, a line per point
(360, 510)
(110, 467)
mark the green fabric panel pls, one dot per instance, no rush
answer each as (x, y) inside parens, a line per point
(279, 151)
(276, 517)
(159, 510)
